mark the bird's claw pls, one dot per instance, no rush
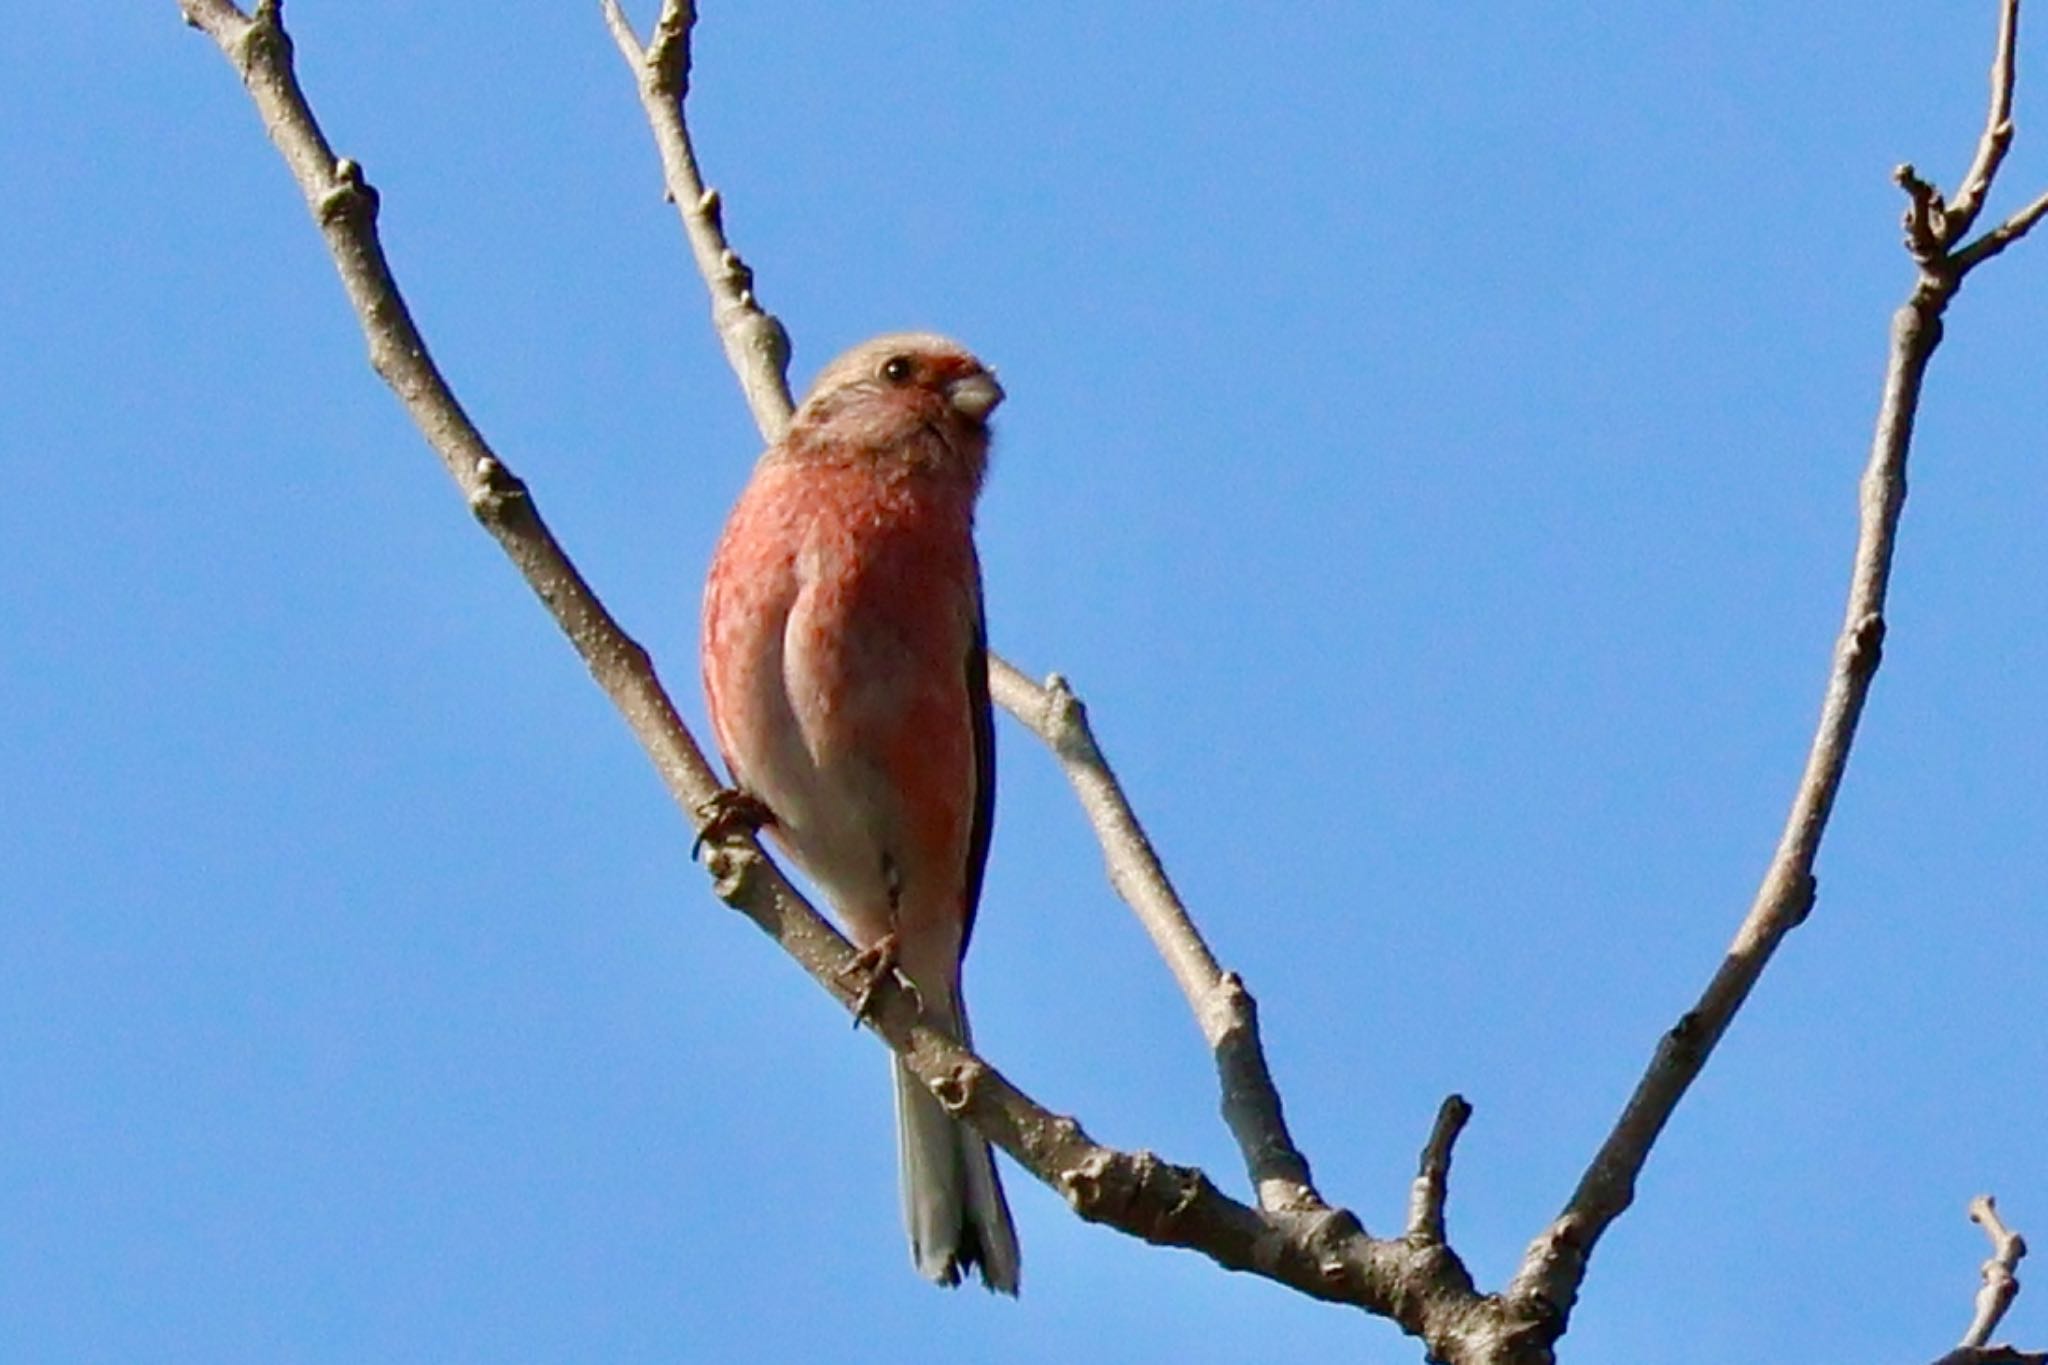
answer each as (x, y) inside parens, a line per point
(729, 811)
(877, 963)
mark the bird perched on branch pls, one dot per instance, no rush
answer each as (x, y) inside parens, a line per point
(846, 665)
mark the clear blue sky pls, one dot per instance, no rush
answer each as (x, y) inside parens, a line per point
(1431, 450)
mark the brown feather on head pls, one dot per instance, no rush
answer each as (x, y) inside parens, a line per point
(881, 396)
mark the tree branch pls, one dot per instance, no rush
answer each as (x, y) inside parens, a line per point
(1997, 138)
(1555, 1264)
(756, 345)
(2002, 236)
(1934, 225)
(2001, 1287)
(345, 207)
(1432, 1177)
(1223, 1008)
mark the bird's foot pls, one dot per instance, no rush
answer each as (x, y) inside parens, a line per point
(875, 963)
(729, 811)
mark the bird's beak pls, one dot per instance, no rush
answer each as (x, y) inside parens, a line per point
(974, 395)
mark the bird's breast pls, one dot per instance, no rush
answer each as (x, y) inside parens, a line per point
(839, 625)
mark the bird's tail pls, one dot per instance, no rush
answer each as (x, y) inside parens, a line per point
(953, 1205)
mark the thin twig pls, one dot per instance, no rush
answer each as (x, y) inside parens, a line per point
(756, 346)
(1223, 1008)
(1433, 1172)
(2001, 1280)
(1925, 216)
(344, 205)
(1934, 225)
(1555, 1264)
(1997, 138)
(2002, 236)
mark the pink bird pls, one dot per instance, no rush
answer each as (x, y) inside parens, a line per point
(845, 660)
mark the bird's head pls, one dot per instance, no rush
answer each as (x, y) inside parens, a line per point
(910, 398)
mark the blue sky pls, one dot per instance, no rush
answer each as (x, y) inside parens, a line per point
(1431, 450)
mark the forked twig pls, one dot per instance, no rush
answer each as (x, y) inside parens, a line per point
(1555, 1263)
(2001, 1287)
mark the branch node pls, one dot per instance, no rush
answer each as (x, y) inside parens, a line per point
(1082, 1185)
(668, 50)
(955, 1090)
(1066, 722)
(349, 197)
(1065, 1131)
(1802, 903)
(265, 30)
(739, 275)
(1685, 1030)
(496, 491)
(1866, 643)
(1925, 221)
(733, 869)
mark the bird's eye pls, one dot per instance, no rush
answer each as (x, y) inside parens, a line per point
(897, 369)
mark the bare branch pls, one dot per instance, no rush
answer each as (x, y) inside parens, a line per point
(1924, 217)
(1059, 718)
(2002, 236)
(756, 346)
(344, 206)
(1934, 225)
(1319, 1251)
(1223, 1008)
(2001, 1282)
(1433, 1173)
(1555, 1264)
(2001, 1287)
(1997, 138)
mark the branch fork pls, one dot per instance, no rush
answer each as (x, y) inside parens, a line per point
(2001, 1287)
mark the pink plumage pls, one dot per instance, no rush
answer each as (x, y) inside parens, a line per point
(845, 662)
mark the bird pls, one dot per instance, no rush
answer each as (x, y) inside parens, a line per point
(845, 661)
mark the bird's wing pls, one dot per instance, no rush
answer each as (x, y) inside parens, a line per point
(982, 718)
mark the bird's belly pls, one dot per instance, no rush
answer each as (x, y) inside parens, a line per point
(831, 817)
